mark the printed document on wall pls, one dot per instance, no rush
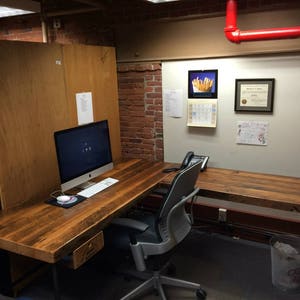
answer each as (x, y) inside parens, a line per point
(202, 113)
(84, 108)
(173, 103)
(252, 132)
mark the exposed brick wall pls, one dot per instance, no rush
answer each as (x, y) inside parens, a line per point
(140, 11)
(25, 28)
(140, 100)
(82, 29)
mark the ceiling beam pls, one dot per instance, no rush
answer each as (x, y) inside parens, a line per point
(94, 3)
(71, 12)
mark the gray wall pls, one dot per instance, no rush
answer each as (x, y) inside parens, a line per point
(280, 156)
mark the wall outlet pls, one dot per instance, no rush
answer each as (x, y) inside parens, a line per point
(222, 215)
(56, 23)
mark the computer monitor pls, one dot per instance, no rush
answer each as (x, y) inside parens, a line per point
(83, 153)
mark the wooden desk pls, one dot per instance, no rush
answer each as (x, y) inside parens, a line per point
(263, 190)
(48, 233)
(273, 191)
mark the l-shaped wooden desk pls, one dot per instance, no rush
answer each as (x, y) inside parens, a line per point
(49, 233)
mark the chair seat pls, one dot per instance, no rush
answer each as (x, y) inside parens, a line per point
(123, 233)
(150, 235)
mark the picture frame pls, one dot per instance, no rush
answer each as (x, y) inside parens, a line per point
(203, 83)
(255, 95)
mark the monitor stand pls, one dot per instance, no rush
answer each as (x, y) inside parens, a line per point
(86, 184)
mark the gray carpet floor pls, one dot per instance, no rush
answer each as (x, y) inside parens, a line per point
(227, 268)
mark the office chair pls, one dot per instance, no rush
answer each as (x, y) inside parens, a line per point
(159, 234)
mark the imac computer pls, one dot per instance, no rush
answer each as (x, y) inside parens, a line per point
(83, 153)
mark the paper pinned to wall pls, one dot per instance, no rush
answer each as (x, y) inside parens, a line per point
(202, 113)
(173, 103)
(252, 132)
(84, 108)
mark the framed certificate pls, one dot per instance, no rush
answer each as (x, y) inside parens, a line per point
(254, 94)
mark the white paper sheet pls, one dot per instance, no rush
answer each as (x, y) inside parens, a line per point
(252, 132)
(84, 108)
(173, 103)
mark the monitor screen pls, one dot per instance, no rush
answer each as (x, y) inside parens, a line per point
(83, 153)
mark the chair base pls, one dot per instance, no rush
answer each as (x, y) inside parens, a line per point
(156, 282)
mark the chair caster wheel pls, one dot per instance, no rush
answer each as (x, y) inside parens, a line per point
(201, 294)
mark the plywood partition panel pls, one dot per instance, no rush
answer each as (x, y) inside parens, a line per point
(38, 83)
(93, 69)
(33, 106)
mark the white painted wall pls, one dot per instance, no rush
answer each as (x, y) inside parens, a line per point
(280, 156)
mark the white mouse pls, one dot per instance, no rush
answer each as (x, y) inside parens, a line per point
(63, 198)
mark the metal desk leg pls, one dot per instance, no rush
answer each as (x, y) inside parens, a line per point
(6, 284)
(55, 282)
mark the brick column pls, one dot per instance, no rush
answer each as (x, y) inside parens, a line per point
(140, 101)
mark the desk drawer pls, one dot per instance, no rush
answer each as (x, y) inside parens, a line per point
(87, 250)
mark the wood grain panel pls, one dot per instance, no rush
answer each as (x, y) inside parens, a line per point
(266, 190)
(281, 192)
(37, 97)
(33, 106)
(83, 253)
(93, 69)
(35, 101)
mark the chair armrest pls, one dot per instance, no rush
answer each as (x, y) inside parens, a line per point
(130, 224)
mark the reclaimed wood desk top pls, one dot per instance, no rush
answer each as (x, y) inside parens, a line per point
(264, 190)
(48, 233)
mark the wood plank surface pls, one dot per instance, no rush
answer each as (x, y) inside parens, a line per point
(48, 233)
(37, 97)
(33, 106)
(265, 190)
(274, 191)
(93, 69)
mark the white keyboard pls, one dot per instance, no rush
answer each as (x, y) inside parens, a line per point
(98, 187)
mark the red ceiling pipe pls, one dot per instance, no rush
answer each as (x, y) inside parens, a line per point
(235, 35)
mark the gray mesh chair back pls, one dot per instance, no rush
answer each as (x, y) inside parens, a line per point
(173, 221)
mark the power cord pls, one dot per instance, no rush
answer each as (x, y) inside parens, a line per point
(56, 193)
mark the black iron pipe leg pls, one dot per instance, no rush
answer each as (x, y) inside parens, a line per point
(6, 284)
(55, 282)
